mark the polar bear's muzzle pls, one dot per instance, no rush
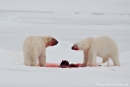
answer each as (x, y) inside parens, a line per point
(54, 42)
(74, 47)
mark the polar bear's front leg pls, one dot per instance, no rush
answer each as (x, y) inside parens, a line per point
(42, 60)
(92, 58)
(86, 59)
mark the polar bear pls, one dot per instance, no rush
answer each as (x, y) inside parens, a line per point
(104, 47)
(34, 49)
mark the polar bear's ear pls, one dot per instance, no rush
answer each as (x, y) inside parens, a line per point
(49, 38)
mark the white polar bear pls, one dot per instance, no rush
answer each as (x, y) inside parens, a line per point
(104, 47)
(34, 49)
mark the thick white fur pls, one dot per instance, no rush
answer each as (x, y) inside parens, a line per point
(104, 47)
(34, 49)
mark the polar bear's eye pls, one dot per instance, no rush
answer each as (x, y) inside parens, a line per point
(82, 44)
(49, 38)
(75, 44)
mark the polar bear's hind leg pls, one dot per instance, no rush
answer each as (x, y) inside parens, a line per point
(115, 60)
(42, 60)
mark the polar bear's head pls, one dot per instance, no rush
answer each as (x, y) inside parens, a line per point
(50, 41)
(81, 45)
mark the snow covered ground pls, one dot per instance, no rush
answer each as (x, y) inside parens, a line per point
(68, 21)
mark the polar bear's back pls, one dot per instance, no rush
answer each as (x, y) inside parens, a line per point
(106, 46)
(32, 44)
(31, 39)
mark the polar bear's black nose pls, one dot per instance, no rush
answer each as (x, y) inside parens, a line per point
(72, 47)
(56, 42)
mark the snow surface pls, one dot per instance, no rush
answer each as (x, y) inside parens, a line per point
(68, 21)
